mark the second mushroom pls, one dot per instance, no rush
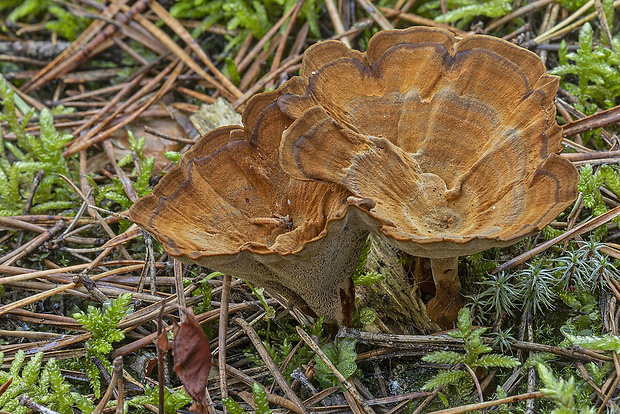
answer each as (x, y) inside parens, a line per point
(452, 142)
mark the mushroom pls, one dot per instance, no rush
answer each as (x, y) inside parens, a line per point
(230, 207)
(452, 142)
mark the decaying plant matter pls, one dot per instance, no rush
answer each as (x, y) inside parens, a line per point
(453, 142)
(446, 147)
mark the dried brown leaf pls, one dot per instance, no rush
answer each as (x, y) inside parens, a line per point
(192, 356)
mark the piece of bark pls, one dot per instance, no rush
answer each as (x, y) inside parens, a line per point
(395, 299)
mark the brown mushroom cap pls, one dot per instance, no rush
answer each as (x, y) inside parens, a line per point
(228, 206)
(454, 141)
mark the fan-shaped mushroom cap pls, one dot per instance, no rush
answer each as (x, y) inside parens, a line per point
(454, 141)
(228, 206)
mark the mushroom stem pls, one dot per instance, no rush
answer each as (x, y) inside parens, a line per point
(444, 307)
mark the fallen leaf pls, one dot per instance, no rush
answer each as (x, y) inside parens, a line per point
(192, 356)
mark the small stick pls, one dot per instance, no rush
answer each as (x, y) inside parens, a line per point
(90, 286)
(336, 21)
(51, 292)
(28, 403)
(477, 383)
(577, 231)
(110, 391)
(290, 65)
(563, 23)
(378, 17)
(178, 285)
(444, 6)
(422, 21)
(245, 46)
(178, 28)
(592, 122)
(517, 13)
(587, 378)
(355, 408)
(153, 131)
(148, 339)
(56, 68)
(119, 109)
(160, 355)
(76, 147)
(480, 406)
(223, 325)
(280, 50)
(397, 398)
(33, 244)
(347, 385)
(117, 98)
(603, 19)
(584, 156)
(130, 192)
(197, 95)
(271, 365)
(96, 215)
(436, 341)
(563, 31)
(35, 183)
(120, 394)
(266, 38)
(568, 117)
(525, 28)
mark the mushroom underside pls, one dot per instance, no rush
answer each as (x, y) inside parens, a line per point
(317, 279)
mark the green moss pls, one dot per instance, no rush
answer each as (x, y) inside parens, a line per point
(43, 385)
(597, 69)
(21, 159)
(65, 24)
(476, 355)
(101, 323)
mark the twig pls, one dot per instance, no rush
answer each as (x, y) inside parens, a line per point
(422, 21)
(280, 50)
(378, 17)
(476, 383)
(336, 21)
(33, 244)
(195, 47)
(225, 298)
(120, 394)
(69, 63)
(517, 13)
(346, 384)
(577, 231)
(261, 43)
(271, 365)
(110, 390)
(587, 156)
(28, 403)
(93, 136)
(440, 342)
(35, 183)
(427, 401)
(592, 122)
(604, 23)
(160, 355)
(480, 406)
(178, 285)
